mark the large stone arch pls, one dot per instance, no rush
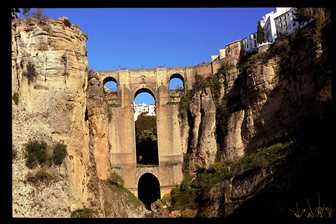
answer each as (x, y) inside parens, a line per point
(109, 78)
(148, 189)
(146, 89)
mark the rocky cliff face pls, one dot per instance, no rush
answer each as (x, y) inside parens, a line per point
(267, 97)
(98, 123)
(247, 105)
(51, 108)
(202, 125)
(55, 101)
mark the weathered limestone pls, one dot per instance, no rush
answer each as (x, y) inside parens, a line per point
(203, 147)
(51, 109)
(234, 146)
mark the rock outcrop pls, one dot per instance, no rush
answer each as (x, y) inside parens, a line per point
(266, 96)
(277, 94)
(202, 145)
(51, 108)
(98, 123)
(121, 203)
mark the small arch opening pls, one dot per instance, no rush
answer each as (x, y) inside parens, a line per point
(176, 82)
(148, 189)
(110, 85)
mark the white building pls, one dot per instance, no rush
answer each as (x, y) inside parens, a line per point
(231, 50)
(214, 57)
(250, 43)
(268, 24)
(144, 108)
(222, 54)
(285, 23)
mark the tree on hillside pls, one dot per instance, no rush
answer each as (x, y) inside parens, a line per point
(145, 128)
(25, 11)
(38, 13)
(260, 34)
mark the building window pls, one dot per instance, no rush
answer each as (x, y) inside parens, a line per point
(294, 24)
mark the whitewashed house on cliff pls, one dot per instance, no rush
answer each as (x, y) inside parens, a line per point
(268, 24)
(250, 43)
(149, 109)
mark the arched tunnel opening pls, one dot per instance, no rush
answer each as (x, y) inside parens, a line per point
(145, 128)
(148, 189)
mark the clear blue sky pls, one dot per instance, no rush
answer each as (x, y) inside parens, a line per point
(134, 38)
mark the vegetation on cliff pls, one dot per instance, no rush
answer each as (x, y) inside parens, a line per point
(116, 184)
(84, 213)
(37, 154)
(192, 193)
(145, 127)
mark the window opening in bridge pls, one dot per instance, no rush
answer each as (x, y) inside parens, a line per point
(148, 189)
(145, 128)
(176, 82)
(110, 85)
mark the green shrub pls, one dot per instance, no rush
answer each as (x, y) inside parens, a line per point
(188, 213)
(145, 128)
(16, 98)
(184, 196)
(67, 22)
(46, 28)
(116, 179)
(185, 100)
(59, 153)
(31, 72)
(70, 106)
(41, 175)
(36, 153)
(84, 213)
(86, 36)
(166, 199)
(262, 158)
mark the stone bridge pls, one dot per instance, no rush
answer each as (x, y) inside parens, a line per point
(157, 179)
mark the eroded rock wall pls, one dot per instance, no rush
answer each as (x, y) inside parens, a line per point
(51, 108)
(281, 94)
(265, 96)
